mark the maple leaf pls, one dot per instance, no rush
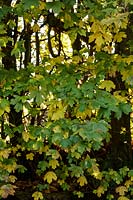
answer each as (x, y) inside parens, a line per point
(25, 136)
(53, 163)
(123, 198)
(50, 176)
(37, 195)
(82, 180)
(5, 153)
(61, 181)
(121, 190)
(128, 183)
(30, 156)
(108, 85)
(36, 28)
(100, 190)
(118, 37)
(7, 190)
(12, 178)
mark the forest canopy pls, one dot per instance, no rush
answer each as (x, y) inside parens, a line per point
(66, 88)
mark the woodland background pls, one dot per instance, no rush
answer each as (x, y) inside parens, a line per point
(66, 88)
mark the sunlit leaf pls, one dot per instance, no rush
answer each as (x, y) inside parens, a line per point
(100, 190)
(121, 190)
(108, 85)
(50, 176)
(30, 156)
(37, 195)
(53, 163)
(82, 181)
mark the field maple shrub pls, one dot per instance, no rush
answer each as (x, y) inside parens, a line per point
(66, 78)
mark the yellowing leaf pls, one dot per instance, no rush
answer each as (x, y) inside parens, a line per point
(99, 40)
(58, 114)
(119, 36)
(26, 136)
(1, 111)
(129, 59)
(50, 176)
(4, 153)
(36, 28)
(57, 111)
(12, 178)
(82, 180)
(67, 17)
(42, 5)
(30, 156)
(92, 38)
(11, 167)
(121, 190)
(53, 163)
(119, 97)
(123, 198)
(37, 195)
(107, 36)
(100, 190)
(128, 183)
(7, 190)
(108, 85)
(45, 148)
(61, 181)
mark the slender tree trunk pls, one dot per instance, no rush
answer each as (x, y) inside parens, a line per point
(9, 62)
(121, 149)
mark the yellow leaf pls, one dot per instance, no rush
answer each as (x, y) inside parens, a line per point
(12, 178)
(129, 59)
(119, 97)
(107, 36)
(45, 148)
(121, 190)
(99, 40)
(30, 156)
(61, 181)
(4, 153)
(128, 183)
(67, 17)
(58, 112)
(108, 85)
(6, 190)
(11, 168)
(123, 198)
(92, 38)
(100, 190)
(53, 163)
(25, 136)
(96, 172)
(1, 111)
(50, 176)
(36, 28)
(119, 36)
(42, 5)
(82, 180)
(37, 195)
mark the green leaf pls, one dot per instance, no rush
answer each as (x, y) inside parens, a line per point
(126, 108)
(56, 6)
(43, 165)
(29, 4)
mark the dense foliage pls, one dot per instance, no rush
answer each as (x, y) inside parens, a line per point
(66, 78)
